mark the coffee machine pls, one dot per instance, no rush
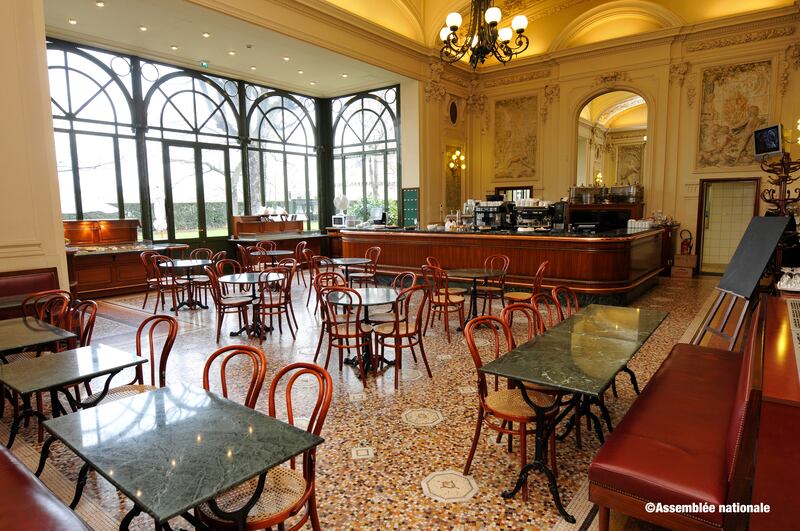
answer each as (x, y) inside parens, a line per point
(534, 218)
(495, 214)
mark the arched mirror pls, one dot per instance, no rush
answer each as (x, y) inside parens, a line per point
(612, 133)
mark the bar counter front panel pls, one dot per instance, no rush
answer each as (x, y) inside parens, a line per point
(615, 266)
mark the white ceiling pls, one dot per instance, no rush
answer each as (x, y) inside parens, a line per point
(174, 22)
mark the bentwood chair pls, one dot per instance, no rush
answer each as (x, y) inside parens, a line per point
(346, 329)
(200, 283)
(274, 297)
(150, 275)
(221, 255)
(406, 329)
(168, 282)
(442, 302)
(548, 308)
(511, 297)
(567, 301)
(245, 259)
(369, 274)
(434, 262)
(267, 245)
(492, 289)
(299, 257)
(151, 330)
(322, 283)
(402, 281)
(257, 365)
(229, 266)
(308, 257)
(287, 489)
(227, 304)
(257, 263)
(319, 264)
(294, 268)
(500, 410)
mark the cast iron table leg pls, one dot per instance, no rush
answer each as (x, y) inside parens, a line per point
(25, 412)
(545, 424)
(239, 516)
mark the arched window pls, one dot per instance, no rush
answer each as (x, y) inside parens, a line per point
(193, 152)
(366, 152)
(282, 154)
(95, 147)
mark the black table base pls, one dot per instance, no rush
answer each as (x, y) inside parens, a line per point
(546, 422)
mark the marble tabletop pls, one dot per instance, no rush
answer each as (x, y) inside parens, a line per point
(369, 297)
(351, 261)
(59, 369)
(249, 278)
(172, 449)
(276, 252)
(180, 263)
(28, 332)
(475, 273)
(13, 301)
(583, 353)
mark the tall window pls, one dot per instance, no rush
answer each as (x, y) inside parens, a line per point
(194, 158)
(282, 154)
(95, 147)
(365, 152)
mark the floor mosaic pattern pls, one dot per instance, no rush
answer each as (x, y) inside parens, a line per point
(392, 459)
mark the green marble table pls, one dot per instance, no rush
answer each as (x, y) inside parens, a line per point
(25, 332)
(55, 372)
(579, 359)
(172, 449)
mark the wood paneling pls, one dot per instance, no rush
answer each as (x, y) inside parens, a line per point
(596, 265)
(244, 225)
(100, 232)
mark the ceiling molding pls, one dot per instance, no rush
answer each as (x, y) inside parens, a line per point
(610, 113)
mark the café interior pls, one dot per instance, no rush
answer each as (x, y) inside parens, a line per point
(407, 264)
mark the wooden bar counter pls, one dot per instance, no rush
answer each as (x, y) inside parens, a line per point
(613, 267)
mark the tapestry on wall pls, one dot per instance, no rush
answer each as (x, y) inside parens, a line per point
(735, 103)
(515, 125)
(629, 164)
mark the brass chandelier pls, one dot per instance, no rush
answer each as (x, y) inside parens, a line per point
(483, 38)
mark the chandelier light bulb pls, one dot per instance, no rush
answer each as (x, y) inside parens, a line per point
(458, 152)
(463, 166)
(505, 34)
(519, 23)
(452, 165)
(474, 41)
(462, 157)
(453, 21)
(444, 34)
(493, 15)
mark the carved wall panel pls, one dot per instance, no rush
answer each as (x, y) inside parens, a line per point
(515, 130)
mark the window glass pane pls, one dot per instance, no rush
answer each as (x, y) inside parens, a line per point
(158, 201)
(338, 162)
(296, 172)
(65, 183)
(353, 167)
(98, 177)
(313, 197)
(255, 181)
(237, 181)
(274, 180)
(216, 204)
(375, 180)
(130, 179)
(184, 192)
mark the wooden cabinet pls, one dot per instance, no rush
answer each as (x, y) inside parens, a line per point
(246, 225)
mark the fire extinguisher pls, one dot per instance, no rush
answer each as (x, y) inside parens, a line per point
(686, 242)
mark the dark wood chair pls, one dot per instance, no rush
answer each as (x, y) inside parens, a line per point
(405, 332)
(200, 283)
(510, 297)
(505, 406)
(454, 290)
(246, 261)
(227, 304)
(258, 366)
(294, 269)
(229, 266)
(168, 282)
(493, 289)
(299, 257)
(368, 275)
(319, 264)
(548, 308)
(402, 281)
(150, 276)
(296, 485)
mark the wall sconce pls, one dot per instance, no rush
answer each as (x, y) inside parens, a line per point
(457, 162)
(598, 179)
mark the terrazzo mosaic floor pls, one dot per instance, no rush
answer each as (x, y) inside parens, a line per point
(393, 459)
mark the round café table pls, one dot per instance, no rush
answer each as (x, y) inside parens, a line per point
(188, 265)
(347, 262)
(273, 254)
(369, 297)
(475, 274)
(250, 278)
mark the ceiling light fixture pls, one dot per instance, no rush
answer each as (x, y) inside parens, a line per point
(253, 67)
(345, 75)
(142, 28)
(174, 47)
(231, 52)
(300, 72)
(312, 83)
(286, 58)
(206, 34)
(483, 38)
(100, 3)
(72, 21)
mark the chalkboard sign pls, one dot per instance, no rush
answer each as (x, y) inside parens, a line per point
(410, 206)
(752, 255)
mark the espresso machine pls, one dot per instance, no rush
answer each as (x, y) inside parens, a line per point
(495, 215)
(534, 218)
